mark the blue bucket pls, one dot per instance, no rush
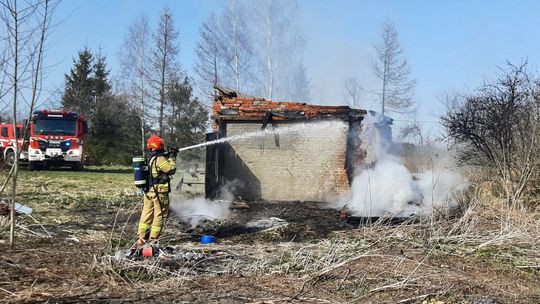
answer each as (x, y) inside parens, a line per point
(207, 239)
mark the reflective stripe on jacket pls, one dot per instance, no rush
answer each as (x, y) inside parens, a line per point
(162, 169)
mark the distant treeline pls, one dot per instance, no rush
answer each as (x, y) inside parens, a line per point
(115, 124)
(153, 94)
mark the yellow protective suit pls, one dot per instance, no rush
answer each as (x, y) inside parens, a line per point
(156, 200)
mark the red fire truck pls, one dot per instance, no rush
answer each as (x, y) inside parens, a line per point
(7, 143)
(56, 139)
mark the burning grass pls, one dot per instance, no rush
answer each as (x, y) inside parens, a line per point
(68, 252)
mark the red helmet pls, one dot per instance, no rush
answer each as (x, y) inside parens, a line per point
(155, 143)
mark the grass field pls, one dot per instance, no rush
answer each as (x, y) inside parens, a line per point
(67, 252)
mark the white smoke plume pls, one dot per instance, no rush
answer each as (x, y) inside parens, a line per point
(385, 187)
(194, 211)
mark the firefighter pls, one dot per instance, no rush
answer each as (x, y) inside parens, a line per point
(161, 166)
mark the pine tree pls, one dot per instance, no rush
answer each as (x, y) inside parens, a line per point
(187, 119)
(101, 91)
(114, 135)
(101, 83)
(79, 86)
(102, 128)
(113, 124)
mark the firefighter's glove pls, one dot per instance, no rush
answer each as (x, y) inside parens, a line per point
(172, 151)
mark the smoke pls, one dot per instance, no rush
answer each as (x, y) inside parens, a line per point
(385, 187)
(229, 190)
(194, 211)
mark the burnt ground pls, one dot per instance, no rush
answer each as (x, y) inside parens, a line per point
(69, 253)
(306, 221)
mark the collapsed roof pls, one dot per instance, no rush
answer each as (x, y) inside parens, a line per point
(229, 105)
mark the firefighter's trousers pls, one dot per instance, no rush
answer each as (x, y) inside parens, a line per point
(154, 213)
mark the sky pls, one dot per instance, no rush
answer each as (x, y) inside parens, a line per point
(450, 45)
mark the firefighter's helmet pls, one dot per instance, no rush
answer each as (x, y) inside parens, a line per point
(155, 143)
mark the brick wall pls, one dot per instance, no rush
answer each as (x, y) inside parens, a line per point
(307, 165)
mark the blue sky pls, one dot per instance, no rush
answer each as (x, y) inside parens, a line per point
(451, 45)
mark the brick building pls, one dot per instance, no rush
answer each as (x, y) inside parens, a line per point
(312, 162)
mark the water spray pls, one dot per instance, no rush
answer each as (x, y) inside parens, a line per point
(320, 125)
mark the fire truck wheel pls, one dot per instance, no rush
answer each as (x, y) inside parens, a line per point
(77, 166)
(31, 166)
(10, 158)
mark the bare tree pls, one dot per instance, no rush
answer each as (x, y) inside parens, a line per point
(135, 69)
(234, 18)
(413, 130)
(27, 26)
(254, 47)
(3, 78)
(498, 126)
(280, 47)
(393, 70)
(268, 15)
(352, 91)
(164, 58)
(225, 51)
(208, 51)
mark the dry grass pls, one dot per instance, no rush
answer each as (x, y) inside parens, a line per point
(487, 250)
(399, 259)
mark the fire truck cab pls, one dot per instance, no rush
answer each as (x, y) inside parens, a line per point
(7, 143)
(56, 139)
